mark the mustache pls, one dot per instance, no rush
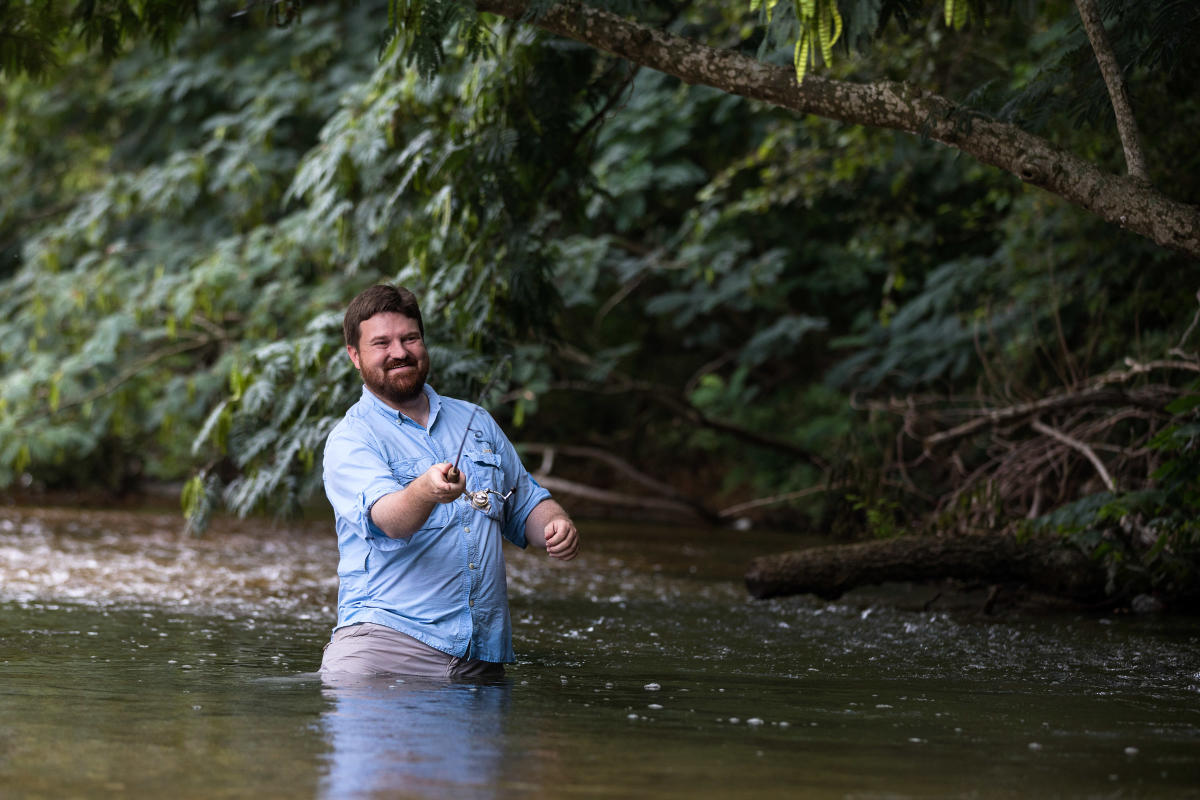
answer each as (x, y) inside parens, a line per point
(399, 362)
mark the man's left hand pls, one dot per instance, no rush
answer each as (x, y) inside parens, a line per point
(562, 540)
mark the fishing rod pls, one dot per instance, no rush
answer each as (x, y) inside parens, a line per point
(478, 499)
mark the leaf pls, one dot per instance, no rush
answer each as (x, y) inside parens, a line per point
(801, 57)
(955, 13)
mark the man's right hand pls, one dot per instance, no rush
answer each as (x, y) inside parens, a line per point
(437, 486)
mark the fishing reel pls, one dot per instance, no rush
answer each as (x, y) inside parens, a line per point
(480, 501)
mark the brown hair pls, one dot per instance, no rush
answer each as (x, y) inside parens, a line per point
(379, 299)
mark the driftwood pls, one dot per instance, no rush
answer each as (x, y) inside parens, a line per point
(1041, 563)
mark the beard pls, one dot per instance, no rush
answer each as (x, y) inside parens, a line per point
(397, 386)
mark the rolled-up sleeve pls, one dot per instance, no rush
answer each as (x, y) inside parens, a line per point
(530, 493)
(356, 475)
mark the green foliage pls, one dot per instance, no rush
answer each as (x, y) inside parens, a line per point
(446, 185)
(139, 268)
(817, 28)
(33, 34)
(881, 515)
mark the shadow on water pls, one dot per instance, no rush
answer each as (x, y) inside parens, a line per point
(139, 662)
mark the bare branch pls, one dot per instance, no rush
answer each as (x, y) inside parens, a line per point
(733, 511)
(1178, 350)
(1082, 447)
(1127, 128)
(614, 498)
(988, 417)
(1098, 393)
(616, 462)
(623, 467)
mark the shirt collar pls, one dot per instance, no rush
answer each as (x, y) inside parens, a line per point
(435, 405)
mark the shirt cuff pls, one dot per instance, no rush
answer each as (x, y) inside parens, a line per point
(372, 533)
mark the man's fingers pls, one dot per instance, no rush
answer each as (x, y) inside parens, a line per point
(562, 540)
(449, 476)
(557, 530)
(441, 489)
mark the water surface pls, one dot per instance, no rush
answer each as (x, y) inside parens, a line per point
(136, 661)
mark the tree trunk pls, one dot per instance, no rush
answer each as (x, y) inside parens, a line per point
(1041, 563)
(1121, 200)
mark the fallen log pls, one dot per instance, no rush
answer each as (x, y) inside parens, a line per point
(1041, 563)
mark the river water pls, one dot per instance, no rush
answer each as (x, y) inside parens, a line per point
(137, 661)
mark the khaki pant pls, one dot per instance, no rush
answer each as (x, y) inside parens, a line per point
(370, 649)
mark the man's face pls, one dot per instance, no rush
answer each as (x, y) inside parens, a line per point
(391, 357)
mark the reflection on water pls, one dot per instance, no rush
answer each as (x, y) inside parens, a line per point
(136, 661)
(419, 735)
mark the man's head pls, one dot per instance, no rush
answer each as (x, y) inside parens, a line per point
(376, 300)
(385, 338)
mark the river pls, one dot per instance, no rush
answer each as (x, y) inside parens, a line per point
(137, 661)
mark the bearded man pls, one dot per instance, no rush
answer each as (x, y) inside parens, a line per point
(421, 580)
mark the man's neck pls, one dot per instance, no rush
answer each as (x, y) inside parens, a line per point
(416, 409)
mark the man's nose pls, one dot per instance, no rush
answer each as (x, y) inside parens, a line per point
(398, 350)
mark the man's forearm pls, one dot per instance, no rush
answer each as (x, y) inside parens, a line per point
(401, 514)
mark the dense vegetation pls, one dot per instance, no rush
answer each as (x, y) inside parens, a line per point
(862, 328)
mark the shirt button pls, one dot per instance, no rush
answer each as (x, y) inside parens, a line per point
(472, 566)
(471, 603)
(466, 529)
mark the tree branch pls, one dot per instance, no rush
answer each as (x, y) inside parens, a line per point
(617, 463)
(1121, 200)
(1058, 402)
(761, 502)
(616, 498)
(1098, 393)
(1082, 447)
(1127, 128)
(671, 499)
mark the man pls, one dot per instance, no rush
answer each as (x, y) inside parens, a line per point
(422, 589)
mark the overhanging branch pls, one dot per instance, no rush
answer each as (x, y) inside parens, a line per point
(1121, 200)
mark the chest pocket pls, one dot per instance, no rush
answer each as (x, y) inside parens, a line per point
(487, 473)
(407, 470)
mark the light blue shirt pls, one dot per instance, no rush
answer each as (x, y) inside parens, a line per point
(445, 585)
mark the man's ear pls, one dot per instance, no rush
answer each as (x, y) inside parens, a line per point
(353, 353)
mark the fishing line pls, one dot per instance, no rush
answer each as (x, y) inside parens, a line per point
(478, 499)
